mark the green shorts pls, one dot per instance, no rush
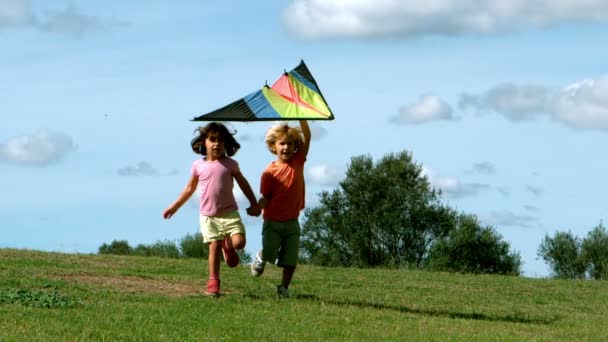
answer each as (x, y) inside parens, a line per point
(281, 242)
(217, 228)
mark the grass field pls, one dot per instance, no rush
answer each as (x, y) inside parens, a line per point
(52, 296)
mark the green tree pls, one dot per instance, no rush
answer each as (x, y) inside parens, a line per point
(563, 253)
(471, 248)
(595, 252)
(120, 247)
(382, 214)
(194, 246)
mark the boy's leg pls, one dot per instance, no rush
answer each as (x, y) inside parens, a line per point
(288, 272)
(257, 266)
(288, 256)
(271, 241)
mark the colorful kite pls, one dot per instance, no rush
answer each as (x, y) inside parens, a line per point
(294, 96)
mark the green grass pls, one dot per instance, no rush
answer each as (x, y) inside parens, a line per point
(59, 297)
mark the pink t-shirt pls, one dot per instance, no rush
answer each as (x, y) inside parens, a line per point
(215, 183)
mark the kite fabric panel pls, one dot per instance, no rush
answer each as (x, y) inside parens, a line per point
(294, 96)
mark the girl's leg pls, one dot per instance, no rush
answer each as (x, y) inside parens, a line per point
(238, 241)
(213, 285)
(214, 258)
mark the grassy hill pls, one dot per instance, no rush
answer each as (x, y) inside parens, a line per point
(52, 296)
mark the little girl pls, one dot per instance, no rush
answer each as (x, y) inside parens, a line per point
(220, 222)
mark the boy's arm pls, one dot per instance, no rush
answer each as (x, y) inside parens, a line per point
(182, 198)
(263, 202)
(306, 132)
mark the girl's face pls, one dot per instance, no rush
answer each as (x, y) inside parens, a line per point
(214, 144)
(285, 147)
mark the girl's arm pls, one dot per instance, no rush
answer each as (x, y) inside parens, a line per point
(182, 198)
(306, 132)
(248, 192)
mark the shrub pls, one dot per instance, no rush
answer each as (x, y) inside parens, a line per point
(162, 249)
(119, 247)
(193, 246)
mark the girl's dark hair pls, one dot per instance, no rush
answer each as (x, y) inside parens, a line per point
(230, 144)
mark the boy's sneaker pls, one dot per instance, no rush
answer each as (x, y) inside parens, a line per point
(213, 288)
(257, 266)
(283, 292)
(230, 255)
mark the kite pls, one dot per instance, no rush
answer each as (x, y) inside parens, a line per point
(294, 96)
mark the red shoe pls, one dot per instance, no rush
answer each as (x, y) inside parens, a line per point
(230, 255)
(213, 287)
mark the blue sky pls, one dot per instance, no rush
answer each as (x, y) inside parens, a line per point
(505, 104)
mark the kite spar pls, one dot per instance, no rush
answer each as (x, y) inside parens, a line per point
(294, 96)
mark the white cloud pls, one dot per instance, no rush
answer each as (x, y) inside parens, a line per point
(428, 108)
(515, 102)
(318, 19)
(38, 149)
(485, 168)
(324, 175)
(582, 104)
(534, 190)
(15, 13)
(140, 169)
(317, 131)
(531, 208)
(451, 186)
(70, 21)
(508, 218)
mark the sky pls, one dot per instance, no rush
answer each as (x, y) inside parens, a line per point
(504, 104)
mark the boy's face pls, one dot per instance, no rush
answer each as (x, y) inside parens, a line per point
(285, 148)
(214, 146)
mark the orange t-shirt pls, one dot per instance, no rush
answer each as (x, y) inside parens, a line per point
(284, 185)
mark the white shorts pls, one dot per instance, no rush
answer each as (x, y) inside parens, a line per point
(217, 228)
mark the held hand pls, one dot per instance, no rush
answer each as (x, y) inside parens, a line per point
(254, 211)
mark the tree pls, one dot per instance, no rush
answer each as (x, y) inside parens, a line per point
(382, 214)
(472, 248)
(119, 247)
(595, 252)
(563, 254)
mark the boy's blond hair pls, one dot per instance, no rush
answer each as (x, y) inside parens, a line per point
(279, 130)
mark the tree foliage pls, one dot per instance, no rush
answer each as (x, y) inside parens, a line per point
(118, 247)
(595, 252)
(571, 258)
(190, 246)
(563, 254)
(383, 214)
(471, 248)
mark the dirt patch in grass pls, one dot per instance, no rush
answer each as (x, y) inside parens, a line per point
(133, 284)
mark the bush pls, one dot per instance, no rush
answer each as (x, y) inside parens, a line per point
(564, 255)
(244, 256)
(119, 247)
(163, 249)
(190, 246)
(193, 246)
(473, 248)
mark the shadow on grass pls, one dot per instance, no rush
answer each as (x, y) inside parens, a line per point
(514, 318)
